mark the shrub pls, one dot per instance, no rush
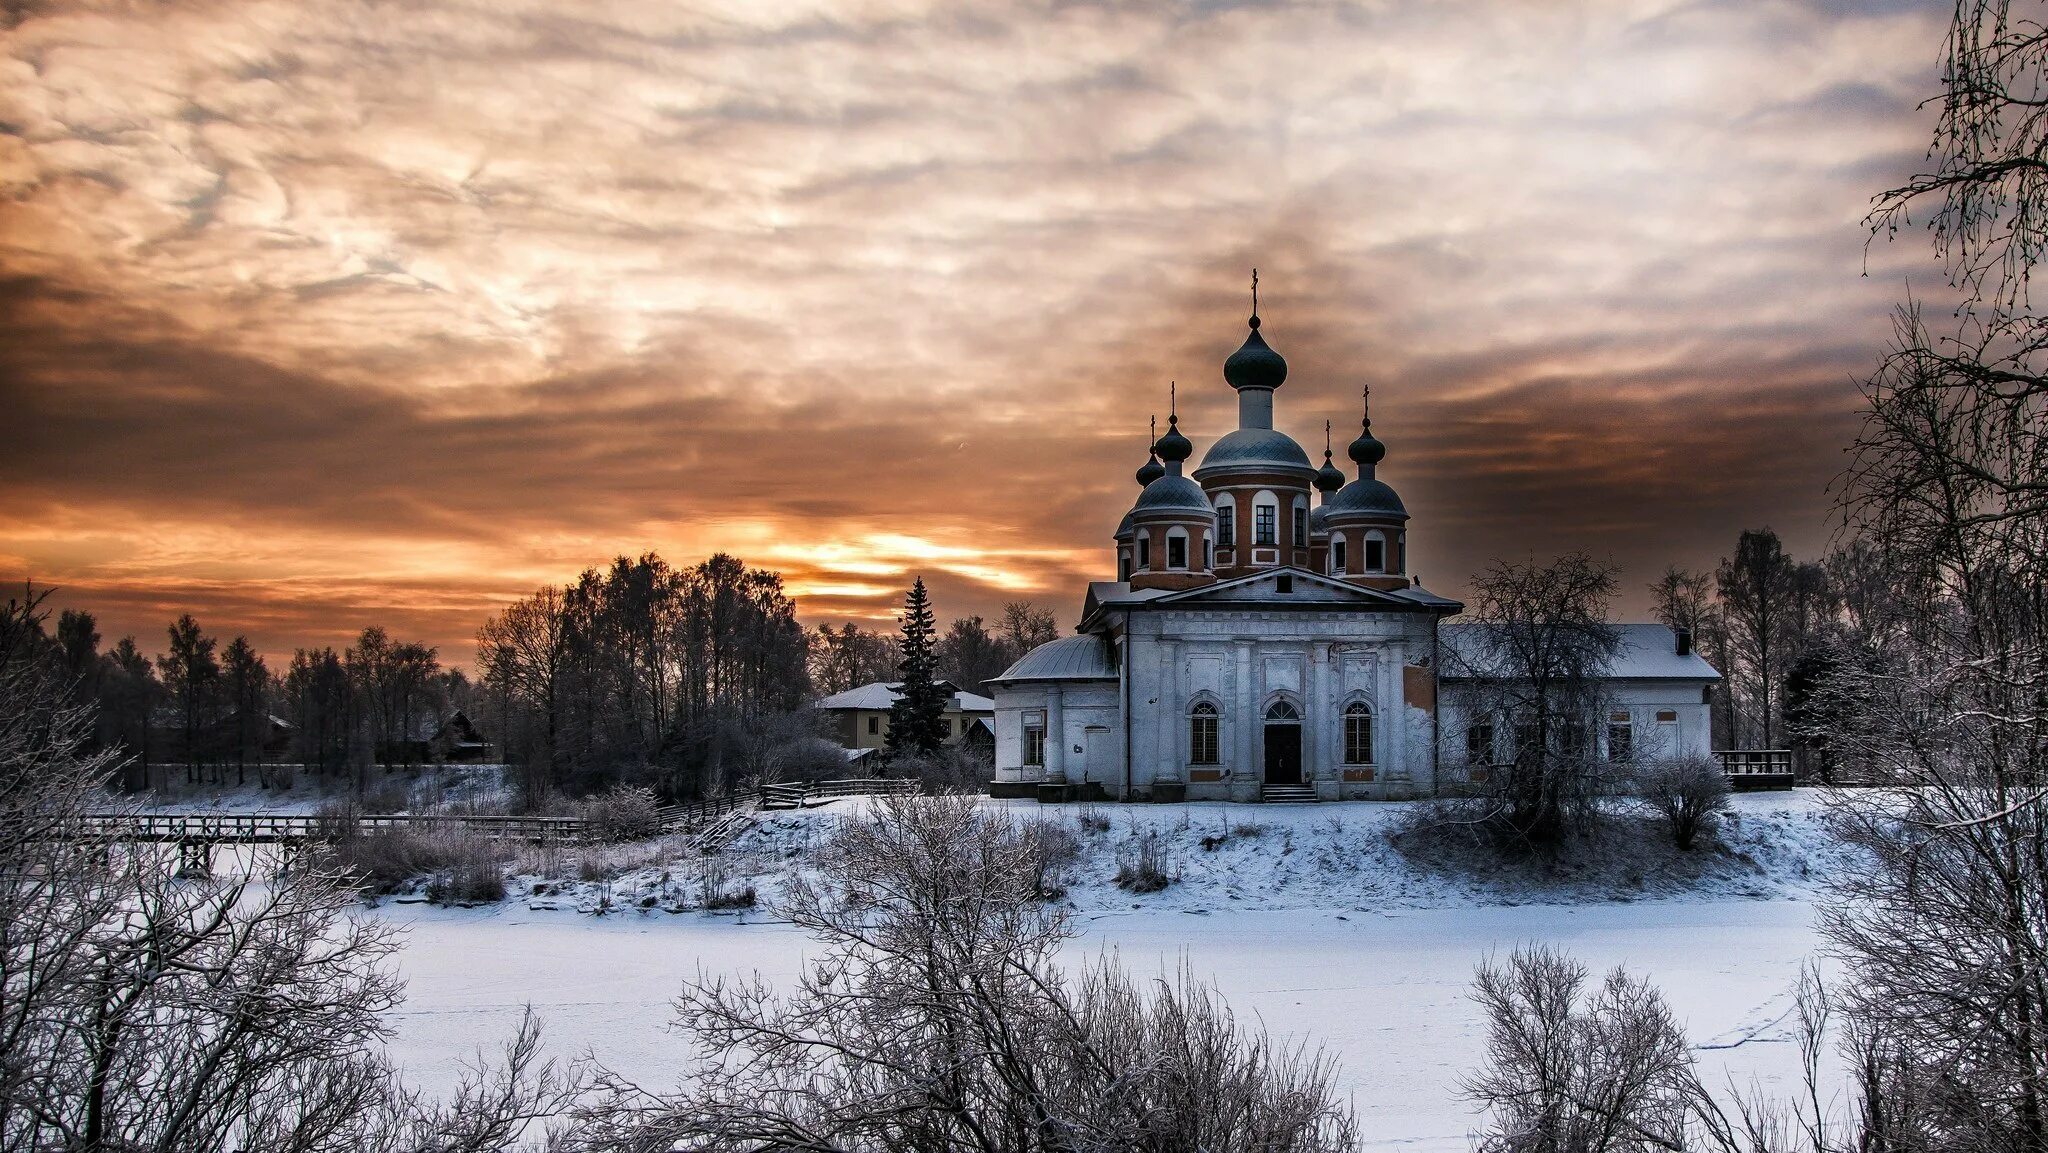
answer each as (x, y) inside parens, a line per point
(474, 879)
(1689, 793)
(629, 813)
(1143, 871)
(1051, 851)
(1092, 819)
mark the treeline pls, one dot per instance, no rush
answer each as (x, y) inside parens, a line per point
(221, 714)
(679, 679)
(1777, 628)
(970, 652)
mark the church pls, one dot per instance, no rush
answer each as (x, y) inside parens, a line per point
(1254, 647)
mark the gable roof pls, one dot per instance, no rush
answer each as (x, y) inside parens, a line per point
(879, 695)
(1648, 652)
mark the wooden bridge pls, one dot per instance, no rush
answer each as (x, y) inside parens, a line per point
(714, 822)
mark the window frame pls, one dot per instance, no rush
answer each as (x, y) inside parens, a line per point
(1266, 524)
(1479, 736)
(1621, 723)
(1176, 536)
(1144, 552)
(1337, 555)
(1032, 741)
(1205, 734)
(1375, 537)
(1226, 523)
(1358, 714)
(1300, 523)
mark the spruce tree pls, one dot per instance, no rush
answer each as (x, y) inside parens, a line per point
(917, 718)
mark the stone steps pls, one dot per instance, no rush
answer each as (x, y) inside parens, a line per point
(1287, 794)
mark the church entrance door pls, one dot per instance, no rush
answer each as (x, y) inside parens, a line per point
(1283, 745)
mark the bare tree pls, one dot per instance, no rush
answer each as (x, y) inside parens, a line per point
(1690, 793)
(144, 1011)
(1756, 587)
(1534, 661)
(933, 1017)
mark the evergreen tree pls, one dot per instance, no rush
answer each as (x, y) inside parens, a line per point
(917, 719)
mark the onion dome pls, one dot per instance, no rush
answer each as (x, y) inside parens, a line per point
(1151, 470)
(1367, 449)
(1255, 364)
(1329, 478)
(1319, 520)
(1173, 447)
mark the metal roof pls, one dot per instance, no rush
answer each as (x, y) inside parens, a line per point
(1648, 652)
(1082, 657)
(1254, 446)
(881, 694)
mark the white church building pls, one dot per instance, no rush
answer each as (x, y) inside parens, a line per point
(1252, 647)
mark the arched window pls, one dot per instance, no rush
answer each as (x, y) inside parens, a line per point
(1283, 711)
(1300, 522)
(1265, 519)
(1226, 521)
(1123, 564)
(1400, 552)
(1176, 548)
(1208, 554)
(1337, 548)
(1203, 747)
(1357, 734)
(1375, 551)
(1144, 550)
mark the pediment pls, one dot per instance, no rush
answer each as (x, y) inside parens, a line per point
(1307, 588)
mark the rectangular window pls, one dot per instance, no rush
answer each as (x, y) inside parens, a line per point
(1667, 716)
(1300, 527)
(1337, 556)
(945, 728)
(1571, 739)
(1263, 528)
(1284, 583)
(1375, 555)
(874, 724)
(1226, 524)
(1176, 552)
(1479, 743)
(1528, 742)
(1621, 736)
(1144, 552)
(1202, 744)
(1358, 737)
(1034, 740)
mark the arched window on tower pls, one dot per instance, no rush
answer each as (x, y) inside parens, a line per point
(1300, 522)
(1203, 725)
(1375, 551)
(1177, 548)
(1208, 555)
(1338, 546)
(1357, 733)
(1265, 519)
(1144, 550)
(1226, 521)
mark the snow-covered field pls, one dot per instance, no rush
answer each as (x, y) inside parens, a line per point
(1306, 916)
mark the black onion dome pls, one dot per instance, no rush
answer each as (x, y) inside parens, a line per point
(1366, 499)
(1150, 471)
(1173, 446)
(1329, 478)
(1255, 364)
(1367, 449)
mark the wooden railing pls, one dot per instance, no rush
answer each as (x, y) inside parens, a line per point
(1757, 768)
(800, 794)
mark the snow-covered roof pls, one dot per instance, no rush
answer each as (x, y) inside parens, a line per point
(880, 695)
(1082, 657)
(1648, 652)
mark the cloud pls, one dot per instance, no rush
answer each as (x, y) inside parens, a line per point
(320, 316)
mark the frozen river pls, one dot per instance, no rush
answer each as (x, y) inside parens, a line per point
(1386, 993)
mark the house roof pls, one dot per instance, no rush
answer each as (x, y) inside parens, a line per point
(1648, 652)
(879, 695)
(1082, 657)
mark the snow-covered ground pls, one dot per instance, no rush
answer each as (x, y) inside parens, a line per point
(1309, 917)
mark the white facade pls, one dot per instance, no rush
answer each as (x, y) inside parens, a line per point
(1220, 666)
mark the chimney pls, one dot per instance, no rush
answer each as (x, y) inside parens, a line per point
(1684, 641)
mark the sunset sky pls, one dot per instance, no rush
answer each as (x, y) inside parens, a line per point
(321, 315)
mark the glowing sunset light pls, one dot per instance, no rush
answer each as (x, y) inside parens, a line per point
(309, 322)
